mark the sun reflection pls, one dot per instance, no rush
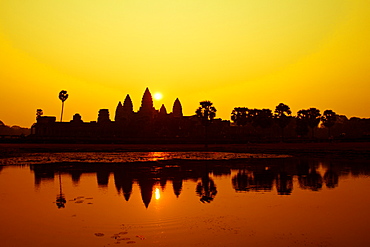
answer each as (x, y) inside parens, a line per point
(157, 194)
(154, 156)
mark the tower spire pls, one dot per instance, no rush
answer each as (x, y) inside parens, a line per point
(147, 103)
(177, 108)
(119, 112)
(163, 110)
(128, 107)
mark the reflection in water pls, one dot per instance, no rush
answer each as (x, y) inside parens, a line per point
(76, 176)
(146, 184)
(284, 183)
(308, 177)
(44, 174)
(102, 176)
(154, 156)
(123, 181)
(206, 189)
(61, 200)
(331, 177)
(157, 194)
(254, 202)
(250, 176)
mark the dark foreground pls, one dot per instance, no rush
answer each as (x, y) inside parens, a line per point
(332, 150)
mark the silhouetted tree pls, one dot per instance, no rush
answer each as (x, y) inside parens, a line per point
(328, 120)
(63, 96)
(206, 113)
(240, 116)
(310, 117)
(252, 117)
(301, 123)
(39, 113)
(313, 119)
(265, 118)
(260, 118)
(282, 116)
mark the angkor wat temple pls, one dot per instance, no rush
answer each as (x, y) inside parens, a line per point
(149, 125)
(146, 125)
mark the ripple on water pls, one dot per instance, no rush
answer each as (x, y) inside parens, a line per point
(126, 157)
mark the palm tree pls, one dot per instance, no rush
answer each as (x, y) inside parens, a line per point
(39, 113)
(301, 123)
(310, 117)
(328, 120)
(314, 118)
(282, 116)
(63, 96)
(240, 116)
(264, 118)
(206, 113)
(261, 118)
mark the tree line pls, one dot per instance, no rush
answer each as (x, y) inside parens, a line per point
(305, 120)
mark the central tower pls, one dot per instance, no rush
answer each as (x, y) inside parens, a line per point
(147, 108)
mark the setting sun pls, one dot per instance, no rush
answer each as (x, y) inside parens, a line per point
(158, 96)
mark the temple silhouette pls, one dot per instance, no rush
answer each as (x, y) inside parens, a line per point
(149, 125)
(146, 125)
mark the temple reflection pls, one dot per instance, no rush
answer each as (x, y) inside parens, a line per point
(123, 181)
(246, 176)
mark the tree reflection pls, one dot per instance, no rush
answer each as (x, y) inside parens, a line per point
(331, 178)
(284, 183)
(61, 200)
(311, 179)
(206, 189)
(251, 176)
(241, 181)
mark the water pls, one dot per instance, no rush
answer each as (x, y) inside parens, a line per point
(183, 199)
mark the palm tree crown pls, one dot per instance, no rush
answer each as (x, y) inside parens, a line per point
(63, 96)
(240, 116)
(329, 118)
(206, 112)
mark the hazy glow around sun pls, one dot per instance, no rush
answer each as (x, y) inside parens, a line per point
(158, 96)
(248, 53)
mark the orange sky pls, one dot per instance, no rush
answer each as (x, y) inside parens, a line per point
(309, 53)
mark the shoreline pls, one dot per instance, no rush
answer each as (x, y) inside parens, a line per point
(338, 149)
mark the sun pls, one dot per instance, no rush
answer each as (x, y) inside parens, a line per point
(158, 96)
